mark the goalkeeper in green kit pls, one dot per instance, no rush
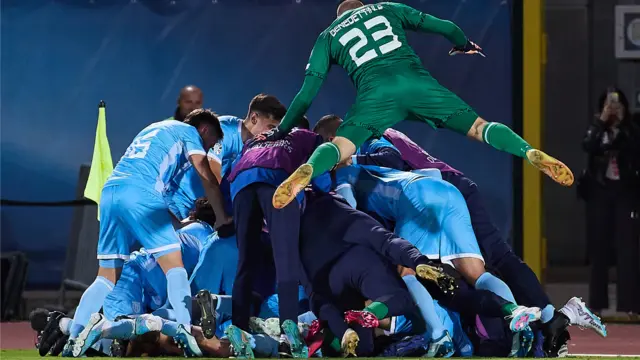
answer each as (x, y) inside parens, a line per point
(369, 42)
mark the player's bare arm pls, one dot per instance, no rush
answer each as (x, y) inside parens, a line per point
(214, 347)
(211, 188)
(216, 168)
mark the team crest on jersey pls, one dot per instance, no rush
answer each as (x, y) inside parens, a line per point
(217, 149)
(135, 306)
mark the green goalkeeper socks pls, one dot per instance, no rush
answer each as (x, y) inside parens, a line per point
(378, 309)
(504, 139)
(335, 344)
(508, 309)
(324, 158)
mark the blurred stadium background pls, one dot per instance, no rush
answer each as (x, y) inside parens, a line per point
(546, 64)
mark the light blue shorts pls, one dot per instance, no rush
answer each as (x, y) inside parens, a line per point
(130, 215)
(434, 217)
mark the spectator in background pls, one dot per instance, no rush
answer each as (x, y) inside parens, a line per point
(611, 187)
(190, 99)
(303, 123)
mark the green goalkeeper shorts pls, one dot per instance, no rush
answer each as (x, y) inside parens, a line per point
(412, 96)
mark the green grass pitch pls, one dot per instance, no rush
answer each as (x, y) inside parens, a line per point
(33, 354)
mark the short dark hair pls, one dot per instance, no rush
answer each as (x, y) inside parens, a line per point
(267, 105)
(207, 117)
(327, 125)
(203, 211)
(303, 123)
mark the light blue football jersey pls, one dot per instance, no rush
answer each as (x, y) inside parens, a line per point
(186, 186)
(230, 148)
(374, 188)
(156, 155)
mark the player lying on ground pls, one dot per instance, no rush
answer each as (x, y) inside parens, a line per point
(396, 150)
(132, 209)
(369, 42)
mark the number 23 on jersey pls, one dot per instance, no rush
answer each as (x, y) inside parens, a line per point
(363, 41)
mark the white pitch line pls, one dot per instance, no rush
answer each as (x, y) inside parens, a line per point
(601, 355)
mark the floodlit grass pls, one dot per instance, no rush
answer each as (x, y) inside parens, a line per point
(33, 354)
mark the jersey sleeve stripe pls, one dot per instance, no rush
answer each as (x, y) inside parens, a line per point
(214, 158)
(197, 152)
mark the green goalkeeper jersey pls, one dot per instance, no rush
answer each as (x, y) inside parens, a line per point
(370, 41)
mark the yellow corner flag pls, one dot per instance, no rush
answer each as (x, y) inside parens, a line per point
(101, 164)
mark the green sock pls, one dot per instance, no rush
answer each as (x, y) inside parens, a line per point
(380, 310)
(504, 139)
(334, 343)
(324, 158)
(508, 309)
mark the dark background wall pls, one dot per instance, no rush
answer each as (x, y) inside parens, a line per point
(581, 63)
(59, 58)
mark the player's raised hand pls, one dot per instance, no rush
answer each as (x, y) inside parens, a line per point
(470, 48)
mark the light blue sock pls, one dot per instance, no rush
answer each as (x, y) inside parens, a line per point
(122, 329)
(90, 303)
(489, 282)
(179, 294)
(547, 313)
(170, 328)
(425, 304)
